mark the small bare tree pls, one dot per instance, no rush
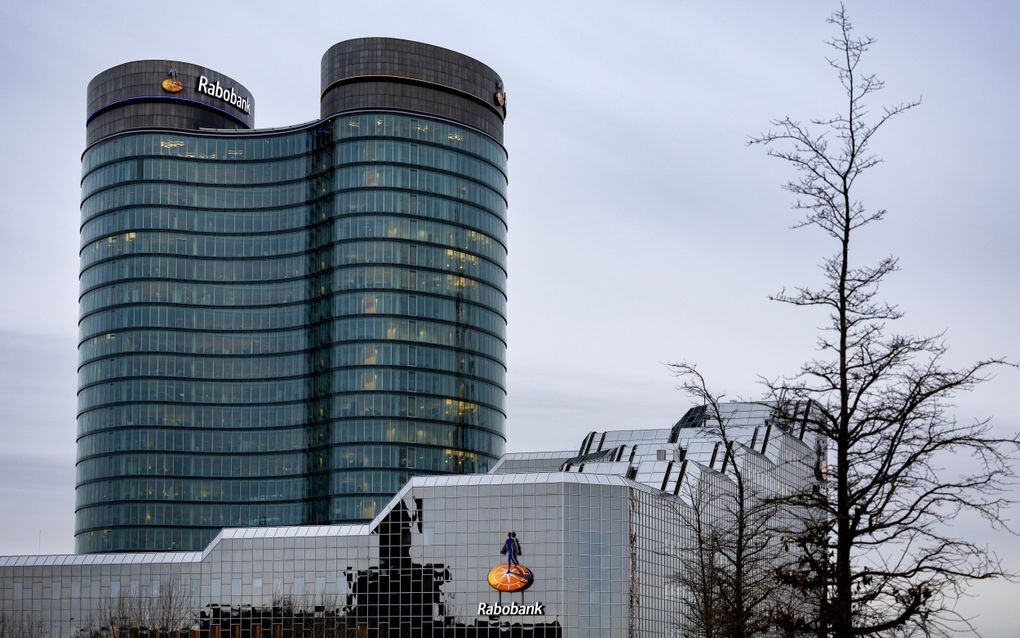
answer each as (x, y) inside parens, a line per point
(170, 609)
(166, 610)
(14, 625)
(120, 613)
(698, 579)
(733, 551)
(877, 556)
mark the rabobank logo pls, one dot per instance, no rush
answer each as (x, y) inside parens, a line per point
(171, 84)
(510, 576)
(511, 609)
(510, 579)
(220, 92)
(500, 94)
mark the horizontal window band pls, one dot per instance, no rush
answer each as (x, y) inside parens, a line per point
(343, 393)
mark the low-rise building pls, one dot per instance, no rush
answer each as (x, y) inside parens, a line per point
(602, 533)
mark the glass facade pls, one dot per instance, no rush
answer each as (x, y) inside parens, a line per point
(593, 543)
(607, 533)
(282, 328)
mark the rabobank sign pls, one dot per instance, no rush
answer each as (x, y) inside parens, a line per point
(510, 577)
(511, 609)
(227, 95)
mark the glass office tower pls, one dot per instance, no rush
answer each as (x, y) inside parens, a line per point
(280, 327)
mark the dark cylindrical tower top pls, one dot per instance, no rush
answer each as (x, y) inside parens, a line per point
(388, 73)
(165, 94)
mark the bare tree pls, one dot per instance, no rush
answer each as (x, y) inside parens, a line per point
(698, 578)
(21, 626)
(170, 609)
(877, 556)
(166, 610)
(120, 613)
(733, 550)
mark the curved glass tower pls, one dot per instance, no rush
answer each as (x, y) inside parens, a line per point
(280, 327)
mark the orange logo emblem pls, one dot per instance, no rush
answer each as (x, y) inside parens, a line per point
(514, 578)
(171, 84)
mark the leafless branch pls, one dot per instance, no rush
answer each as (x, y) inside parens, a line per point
(876, 555)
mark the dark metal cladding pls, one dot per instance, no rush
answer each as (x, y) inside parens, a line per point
(388, 73)
(131, 96)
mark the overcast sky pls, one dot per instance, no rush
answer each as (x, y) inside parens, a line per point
(642, 229)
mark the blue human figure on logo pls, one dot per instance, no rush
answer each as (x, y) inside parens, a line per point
(511, 547)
